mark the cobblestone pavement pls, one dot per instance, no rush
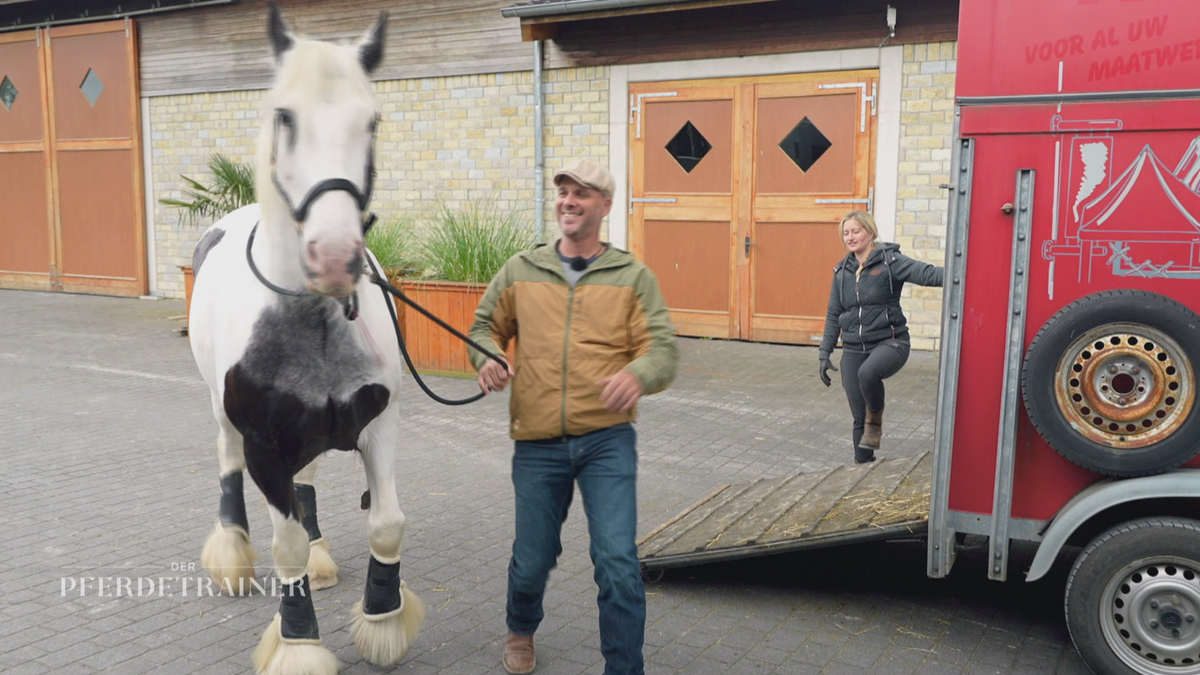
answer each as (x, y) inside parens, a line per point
(110, 472)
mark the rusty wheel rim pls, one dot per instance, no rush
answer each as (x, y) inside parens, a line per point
(1125, 386)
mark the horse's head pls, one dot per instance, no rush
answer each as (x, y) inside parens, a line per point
(316, 150)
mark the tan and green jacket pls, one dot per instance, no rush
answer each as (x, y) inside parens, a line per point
(568, 339)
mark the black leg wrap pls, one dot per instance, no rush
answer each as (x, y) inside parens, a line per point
(233, 502)
(306, 495)
(298, 619)
(383, 588)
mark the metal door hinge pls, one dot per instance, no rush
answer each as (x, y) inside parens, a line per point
(635, 107)
(649, 200)
(862, 88)
(869, 201)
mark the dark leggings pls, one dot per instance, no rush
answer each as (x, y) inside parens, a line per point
(863, 374)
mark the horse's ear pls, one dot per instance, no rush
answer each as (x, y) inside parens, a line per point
(281, 37)
(370, 46)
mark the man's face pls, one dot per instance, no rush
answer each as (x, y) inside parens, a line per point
(580, 209)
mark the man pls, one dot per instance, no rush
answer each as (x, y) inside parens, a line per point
(594, 337)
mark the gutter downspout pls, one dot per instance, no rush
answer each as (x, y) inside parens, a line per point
(539, 159)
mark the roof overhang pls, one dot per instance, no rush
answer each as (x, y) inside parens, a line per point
(30, 14)
(541, 19)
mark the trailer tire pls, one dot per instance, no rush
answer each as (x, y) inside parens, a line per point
(1132, 601)
(1110, 383)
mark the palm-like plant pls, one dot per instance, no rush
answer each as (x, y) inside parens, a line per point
(231, 187)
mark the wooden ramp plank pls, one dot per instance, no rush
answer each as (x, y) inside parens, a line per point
(861, 505)
(711, 531)
(693, 518)
(751, 527)
(849, 504)
(910, 501)
(800, 520)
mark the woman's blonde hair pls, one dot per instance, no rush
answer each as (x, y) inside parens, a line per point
(865, 220)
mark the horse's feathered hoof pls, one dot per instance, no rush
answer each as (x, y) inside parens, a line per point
(229, 559)
(277, 656)
(384, 639)
(322, 570)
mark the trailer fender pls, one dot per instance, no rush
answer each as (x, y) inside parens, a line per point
(1101, 497)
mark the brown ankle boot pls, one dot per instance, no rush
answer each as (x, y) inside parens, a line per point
(519, 657)
(872, 430)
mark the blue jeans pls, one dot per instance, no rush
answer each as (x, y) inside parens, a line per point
(604, 463)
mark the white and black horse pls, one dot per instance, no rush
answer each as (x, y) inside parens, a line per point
(300, 352)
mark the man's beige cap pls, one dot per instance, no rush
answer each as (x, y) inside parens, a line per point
(588, 173)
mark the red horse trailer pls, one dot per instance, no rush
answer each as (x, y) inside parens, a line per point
(1063, 419)
(1067, 404)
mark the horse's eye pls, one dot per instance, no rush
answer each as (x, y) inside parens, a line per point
(285, 117)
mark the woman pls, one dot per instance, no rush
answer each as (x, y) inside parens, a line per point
(864, 306)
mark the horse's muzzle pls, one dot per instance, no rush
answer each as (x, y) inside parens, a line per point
(331, 269)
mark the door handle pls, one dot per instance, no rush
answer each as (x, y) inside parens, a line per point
(748, 245)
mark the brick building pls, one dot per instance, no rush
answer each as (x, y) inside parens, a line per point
(457, 91)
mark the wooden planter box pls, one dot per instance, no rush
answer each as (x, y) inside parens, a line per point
(433, 349)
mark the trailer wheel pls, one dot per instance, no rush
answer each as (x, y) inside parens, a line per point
(1133, 599)
(1110, 383)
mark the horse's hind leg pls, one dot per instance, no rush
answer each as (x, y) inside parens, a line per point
(322, 570)
(227, 554)
(291, 644)
(388, 618)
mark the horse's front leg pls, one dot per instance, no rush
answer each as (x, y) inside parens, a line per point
(388, 618)
(322, 570)
(227, 554)
(291, 644)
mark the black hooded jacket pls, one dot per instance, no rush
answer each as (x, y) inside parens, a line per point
(866, 309)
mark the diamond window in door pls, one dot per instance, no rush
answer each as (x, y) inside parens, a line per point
(688, 147)
(805, 144)
(8, 93)
(91, 86)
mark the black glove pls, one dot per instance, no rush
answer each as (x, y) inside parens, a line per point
(826, 366)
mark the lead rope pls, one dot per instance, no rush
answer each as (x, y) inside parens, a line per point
(386, 288)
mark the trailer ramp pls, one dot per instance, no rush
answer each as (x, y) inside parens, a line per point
(887, 499)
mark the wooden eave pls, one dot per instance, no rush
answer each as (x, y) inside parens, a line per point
(534, 28)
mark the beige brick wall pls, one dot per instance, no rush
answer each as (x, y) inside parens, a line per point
(451, 139)
(185, 131)
(576, 110)
(926, 127)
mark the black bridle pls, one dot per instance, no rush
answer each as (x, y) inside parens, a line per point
(284, 117)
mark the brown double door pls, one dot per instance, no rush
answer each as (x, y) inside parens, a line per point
(71, 208)
(738, 187)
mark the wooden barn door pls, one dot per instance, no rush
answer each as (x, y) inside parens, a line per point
(738, 186)
(684, 178)
(97, 158)
(26, 233)
(813, 164)
(79, 217)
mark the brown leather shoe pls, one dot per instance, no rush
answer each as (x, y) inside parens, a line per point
(519, 657)
(872, 431)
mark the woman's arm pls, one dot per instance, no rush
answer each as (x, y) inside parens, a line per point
(916, 272)
(832, 314)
